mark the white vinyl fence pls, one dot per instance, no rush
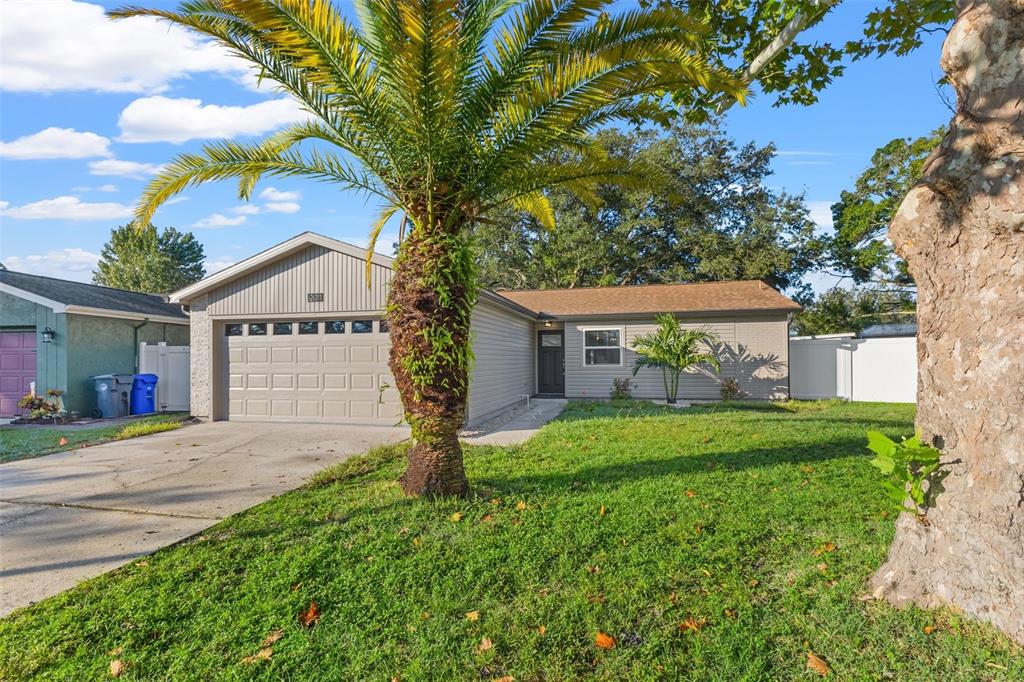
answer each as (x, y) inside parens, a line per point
(171, 365)
(841, 366)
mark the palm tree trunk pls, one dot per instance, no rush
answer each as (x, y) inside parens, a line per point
(960, 230)
(429, 306)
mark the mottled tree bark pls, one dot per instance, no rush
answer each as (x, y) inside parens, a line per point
(429, 304)
(962, 231)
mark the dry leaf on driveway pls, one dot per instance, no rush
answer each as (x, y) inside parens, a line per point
(817, 664)
(604, 641)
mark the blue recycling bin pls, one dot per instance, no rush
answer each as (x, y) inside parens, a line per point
(144, 394)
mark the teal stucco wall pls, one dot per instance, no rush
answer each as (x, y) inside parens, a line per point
(51, 358)
(105, 345)
(16, 312)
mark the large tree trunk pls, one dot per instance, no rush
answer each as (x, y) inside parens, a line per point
(429, 306)
(962, 231)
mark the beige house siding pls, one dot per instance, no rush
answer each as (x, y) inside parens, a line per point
(754, 350)
(504, 367)
(282, 287)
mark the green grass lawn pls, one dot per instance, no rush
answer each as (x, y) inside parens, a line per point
(17, 442)
(712, 543)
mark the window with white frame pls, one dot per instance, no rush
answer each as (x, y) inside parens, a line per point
(602, 346)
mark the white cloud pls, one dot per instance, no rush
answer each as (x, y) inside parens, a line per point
(821, 213)
(64, 45)
(107, 188)
(218, 220)
(75, 264)
(56, 143)
(274, 194)
(166, 119)
(128, 169)
(175, 200)
(247, 209)
(282, 207)
(65, 208)
(217, 264)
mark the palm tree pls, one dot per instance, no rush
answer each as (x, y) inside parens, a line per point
(674, 350)
(443, 110)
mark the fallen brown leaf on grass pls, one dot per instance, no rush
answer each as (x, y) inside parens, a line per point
(472, 615)
(117, 668)
(520, 505)
(542, 630)
(692, 624)
(273, 637)
(310, 616)
(827, 547)
(817, 664)
(604, 641)
(485, 645)
(601, 511)
(928, 629)
(457, 516)
(506, 678)
(690, 493)
(261, 655)
(63, 441)
(116, 651)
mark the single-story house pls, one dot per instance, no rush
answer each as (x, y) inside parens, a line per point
(296, 333)
(59, 334)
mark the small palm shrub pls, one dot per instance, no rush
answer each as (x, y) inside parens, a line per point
(674, 350)
(730, 390)
(622, 389)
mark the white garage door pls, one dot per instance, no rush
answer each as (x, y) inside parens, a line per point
(305, 370)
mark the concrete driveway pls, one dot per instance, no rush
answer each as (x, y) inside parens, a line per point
(74, 515)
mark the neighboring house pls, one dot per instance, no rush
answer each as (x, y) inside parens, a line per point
(296, 333)
(891, 330)
(59, 334)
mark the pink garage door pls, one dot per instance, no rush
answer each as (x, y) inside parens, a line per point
(17, 369)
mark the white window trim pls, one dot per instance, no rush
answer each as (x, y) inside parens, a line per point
(603, 328)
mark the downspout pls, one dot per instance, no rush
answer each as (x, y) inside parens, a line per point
(135, 338)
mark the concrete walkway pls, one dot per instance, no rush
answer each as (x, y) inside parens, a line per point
(74, 515)
(522, 426)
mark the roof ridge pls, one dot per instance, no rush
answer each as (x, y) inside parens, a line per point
(637, 286)
(88, 284)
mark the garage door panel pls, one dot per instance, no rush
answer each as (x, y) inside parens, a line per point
(282, 381)
(307, 354)
(337, 354)
(315, 377)
(282, 408)
(282, 354)
(336, 409)
(362, 382)
(335, 381)
(364, 354)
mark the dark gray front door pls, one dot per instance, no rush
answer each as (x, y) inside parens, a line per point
(551, 362)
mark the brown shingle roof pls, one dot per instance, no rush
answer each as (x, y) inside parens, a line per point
(750, 295)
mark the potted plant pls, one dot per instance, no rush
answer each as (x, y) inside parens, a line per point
(674, 349)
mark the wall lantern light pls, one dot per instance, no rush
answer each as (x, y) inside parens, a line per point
(48, 335)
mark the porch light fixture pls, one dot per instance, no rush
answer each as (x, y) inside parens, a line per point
(547, 323)
(48, 335)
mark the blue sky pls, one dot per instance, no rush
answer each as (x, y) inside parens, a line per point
(91, 107)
